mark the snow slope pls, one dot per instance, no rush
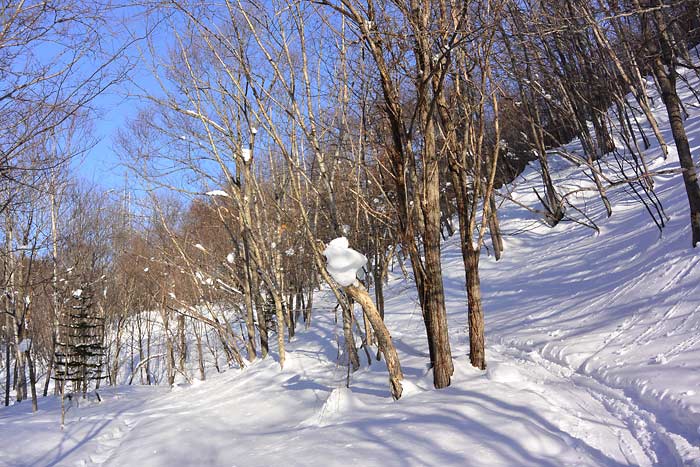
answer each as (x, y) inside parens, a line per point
(593, 353)
(518, 412)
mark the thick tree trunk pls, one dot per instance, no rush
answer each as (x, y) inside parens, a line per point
(667, 83)
(477, 354)
(360, 294)
(262, 318)
(350, 345)
(248, 298)
(433, 291)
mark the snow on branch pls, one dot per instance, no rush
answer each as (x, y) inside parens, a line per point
(343, 263)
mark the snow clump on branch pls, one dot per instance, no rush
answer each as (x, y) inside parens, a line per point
(343, 263)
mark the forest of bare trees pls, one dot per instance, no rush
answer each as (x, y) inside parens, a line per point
(279, 126)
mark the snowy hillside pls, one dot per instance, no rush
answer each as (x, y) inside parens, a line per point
(593, 347)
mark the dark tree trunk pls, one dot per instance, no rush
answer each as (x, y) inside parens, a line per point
(183, 343)
(477, 354)
(307, 310)
(248, 298)
(290, 313)
(32, 381)
(667, 83)
(49, 368)
(8, 382)
(261, 314)
(349, 336)
(495, 229)
(379, 289)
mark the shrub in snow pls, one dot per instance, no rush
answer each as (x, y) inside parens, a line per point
(342, 262)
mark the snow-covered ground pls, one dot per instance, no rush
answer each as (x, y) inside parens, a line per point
(593, 359)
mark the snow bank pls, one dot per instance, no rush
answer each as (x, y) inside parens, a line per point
(340, 403)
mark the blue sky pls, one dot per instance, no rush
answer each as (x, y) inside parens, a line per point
(101, 164)
(118, 104)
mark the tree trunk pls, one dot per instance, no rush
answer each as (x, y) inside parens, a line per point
(350, 346)
(435, 313)
(8, 381)
(200, 356)
(495, 229)
(32, 381)
(21, 379)
(667, 83)
(279, 315)
(148, 352)
(290, 311)
(183, 343)
(360, 294)
(248, 299)
(142, 355)
(262, 317)
(477, 355)
(49, 368)
(307, 310)
(117, 350)
(169, 349)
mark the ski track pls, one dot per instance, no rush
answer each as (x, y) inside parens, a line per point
(108, 443)
(658, 445)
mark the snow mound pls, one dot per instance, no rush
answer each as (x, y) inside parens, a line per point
(339, 404)
(343, 262)
(504, 373)
(410, 388)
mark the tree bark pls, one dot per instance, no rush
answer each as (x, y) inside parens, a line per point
(667, 83)
(262, 318)
(8, 373)
(49, 368)
(361, 296)
(183, 343)
(32, 381)
(477, 354)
